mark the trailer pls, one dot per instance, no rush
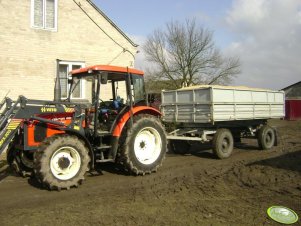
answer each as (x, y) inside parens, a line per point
(221, 115)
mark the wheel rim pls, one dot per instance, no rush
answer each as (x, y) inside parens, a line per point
(65, 163)
(269, 138)
(148, 145)
(225, 145)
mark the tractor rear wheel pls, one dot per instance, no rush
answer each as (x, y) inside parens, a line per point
(143, 146)
(61, 162)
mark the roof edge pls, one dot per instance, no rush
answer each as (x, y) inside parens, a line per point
(291, 85)
(112, 23)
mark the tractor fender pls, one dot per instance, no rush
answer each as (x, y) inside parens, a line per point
(135, 111)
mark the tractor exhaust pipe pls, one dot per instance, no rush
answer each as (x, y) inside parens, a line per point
(57, 85)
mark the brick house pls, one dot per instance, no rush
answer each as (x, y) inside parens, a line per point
(35, 33)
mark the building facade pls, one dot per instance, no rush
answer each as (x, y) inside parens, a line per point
(293, 101)
(39, 38)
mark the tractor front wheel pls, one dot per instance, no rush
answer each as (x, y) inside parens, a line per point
(21, 162)
(143, 146)
(61, 162)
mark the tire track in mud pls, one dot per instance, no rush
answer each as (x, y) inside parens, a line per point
(250, 185)
(187, 190)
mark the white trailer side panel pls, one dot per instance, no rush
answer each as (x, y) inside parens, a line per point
(220, 103)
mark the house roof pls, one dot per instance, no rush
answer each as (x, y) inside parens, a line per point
(291, 86)
(111, 22)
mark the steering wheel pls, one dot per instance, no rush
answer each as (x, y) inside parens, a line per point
(100, 101)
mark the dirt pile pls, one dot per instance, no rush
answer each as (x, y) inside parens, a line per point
(280, 172)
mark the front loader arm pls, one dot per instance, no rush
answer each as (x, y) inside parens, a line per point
(8, 124)
(26, 112)
(9, 133)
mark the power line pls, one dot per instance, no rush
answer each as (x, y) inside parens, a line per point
(110, 37)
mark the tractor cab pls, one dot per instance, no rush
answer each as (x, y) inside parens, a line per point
(117, 103)
(110, 90)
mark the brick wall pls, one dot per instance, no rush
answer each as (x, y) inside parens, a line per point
(28, 56)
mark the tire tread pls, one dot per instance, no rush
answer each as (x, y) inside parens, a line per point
(43, 174)
(125, 140)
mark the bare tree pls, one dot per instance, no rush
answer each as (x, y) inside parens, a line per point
(185, 54)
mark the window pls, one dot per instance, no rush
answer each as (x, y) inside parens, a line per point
(64, 69)
(44, 14)
(138, 87)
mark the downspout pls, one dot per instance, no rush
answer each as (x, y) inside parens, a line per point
(57, 85)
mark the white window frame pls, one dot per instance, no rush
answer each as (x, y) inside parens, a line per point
(44, 16)
(82, 82)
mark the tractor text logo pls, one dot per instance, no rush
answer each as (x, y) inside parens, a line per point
(45, 109)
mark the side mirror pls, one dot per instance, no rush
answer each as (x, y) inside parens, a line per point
(104, 78)
(151, 98)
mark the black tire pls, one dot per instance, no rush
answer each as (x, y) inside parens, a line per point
(266, 137)
(222, 143)
(20, 162)
(236, 137)
(61, 162)
(181, 147)
(145, 127)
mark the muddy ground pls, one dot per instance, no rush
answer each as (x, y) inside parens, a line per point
(187, 190)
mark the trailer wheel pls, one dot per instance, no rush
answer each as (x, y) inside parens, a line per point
(181, 147)
(266, 137)
(236, 136)
(143, 147)
(222, 143)
(61, 162)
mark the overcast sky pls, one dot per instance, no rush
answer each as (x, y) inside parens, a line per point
(264, 34)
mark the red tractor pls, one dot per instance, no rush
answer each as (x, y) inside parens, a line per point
(59, 141)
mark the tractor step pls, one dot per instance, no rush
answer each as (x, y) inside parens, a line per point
(105, 160)
(104, 147)
(103, 132)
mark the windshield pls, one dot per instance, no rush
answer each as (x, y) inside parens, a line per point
(75, 87)
(85, 87)
(80, 88)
